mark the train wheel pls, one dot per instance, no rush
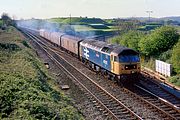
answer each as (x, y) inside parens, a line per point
(113, 78)
(109, 77)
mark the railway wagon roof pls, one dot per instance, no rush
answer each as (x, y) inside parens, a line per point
(57, 33)
(74, 38)
(50, 32)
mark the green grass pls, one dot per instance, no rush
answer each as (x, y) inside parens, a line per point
(24, 82)
(175, 80)
(96, 26)
(78, 20)
(82, 28)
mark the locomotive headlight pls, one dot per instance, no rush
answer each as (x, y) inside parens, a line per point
(126, 67)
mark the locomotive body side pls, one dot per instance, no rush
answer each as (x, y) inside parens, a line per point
(116, 61)
(95, 55)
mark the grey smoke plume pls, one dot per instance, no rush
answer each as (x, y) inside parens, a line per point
(38, 24)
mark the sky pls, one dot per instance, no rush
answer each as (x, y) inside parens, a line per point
(91, 8)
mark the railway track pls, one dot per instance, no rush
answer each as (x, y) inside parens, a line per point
(160, 104)
(109, 104)
(156, 89)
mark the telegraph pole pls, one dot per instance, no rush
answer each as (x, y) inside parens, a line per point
(70, 19)
(149, 14)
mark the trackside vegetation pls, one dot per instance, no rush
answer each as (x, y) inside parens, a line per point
(163, 43)
(25, 89)
(1, 23)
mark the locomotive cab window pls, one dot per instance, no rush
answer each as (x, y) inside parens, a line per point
(129, 58)
(116, 58)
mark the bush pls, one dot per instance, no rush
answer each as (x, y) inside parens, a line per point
(9, 47)
(159, 41)
(29, 99)
(1, 23)
(176, 57)
(175, 80)
(25, 44)
(166, 56)
(129, 39)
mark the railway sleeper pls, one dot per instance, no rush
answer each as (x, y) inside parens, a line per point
(99, 106)
(157, 103)
(166, 108)
(173, 112)
(125, 117)
(106, 102)
(104, 111)
(132, 118)
(177, 116)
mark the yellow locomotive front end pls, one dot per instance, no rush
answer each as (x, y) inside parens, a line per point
(125, 64)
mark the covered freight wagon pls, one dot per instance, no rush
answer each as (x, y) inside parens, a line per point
(71, 43)
(55, 37)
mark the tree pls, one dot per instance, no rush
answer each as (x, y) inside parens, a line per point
(6, 19)
(159, 41)
(129, 39)
(176, 57)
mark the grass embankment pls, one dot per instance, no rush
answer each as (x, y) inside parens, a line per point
(80, 24)
(24, 83)
(78, 20)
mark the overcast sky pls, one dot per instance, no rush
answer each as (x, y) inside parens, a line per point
(89, 8)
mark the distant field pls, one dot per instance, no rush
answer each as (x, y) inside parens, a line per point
(78, 20)
(87, 26)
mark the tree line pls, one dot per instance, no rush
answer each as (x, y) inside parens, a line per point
(6, 21)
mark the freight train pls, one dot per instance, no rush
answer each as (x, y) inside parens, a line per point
(116, 62)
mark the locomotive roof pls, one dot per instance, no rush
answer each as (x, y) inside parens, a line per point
(98, 45)
(108, 48)
(123, 51)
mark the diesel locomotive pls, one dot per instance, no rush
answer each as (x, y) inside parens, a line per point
(116, 62)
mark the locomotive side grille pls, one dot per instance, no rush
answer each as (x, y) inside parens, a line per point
(129, 67)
